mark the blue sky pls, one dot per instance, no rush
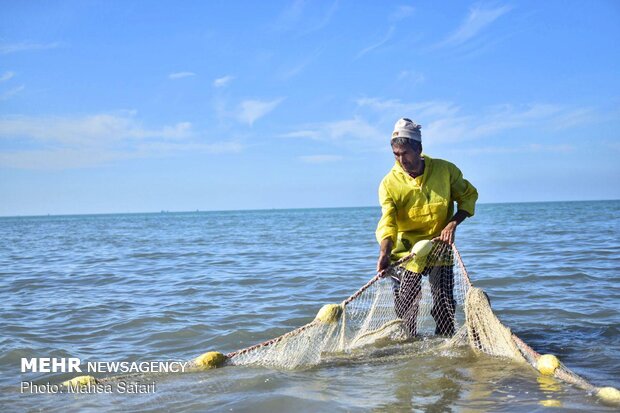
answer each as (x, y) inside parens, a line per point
(148, 106)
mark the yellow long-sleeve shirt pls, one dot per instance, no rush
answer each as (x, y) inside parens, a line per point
(419, 208)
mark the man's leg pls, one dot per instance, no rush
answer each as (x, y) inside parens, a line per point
(441, 279)
(407, 295)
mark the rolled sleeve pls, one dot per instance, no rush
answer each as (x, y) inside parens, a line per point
(387, 227)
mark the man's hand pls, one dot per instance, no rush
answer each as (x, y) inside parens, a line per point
(383, 262)
(448, 233)
(384, 254)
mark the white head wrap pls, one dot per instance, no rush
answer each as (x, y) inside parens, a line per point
(406, 128)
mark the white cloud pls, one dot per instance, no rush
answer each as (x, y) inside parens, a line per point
(531, 148)
(11, 92)
(394, 108)
(250, 111)
(86, 130)
(304, 17)
(317, 159)
(74, 142)
(290, 16)
(459, 127)
(223, 81)
(69, 158)
(165, 148)
(63, 158)
(354, 130)
(498, 119)
(442, 122)
(477, 19)
(402, 12)
(574, 118)
(324, 21)
(180, 75)
(446, 122)
(6, 48)
(300, 66)
(312, 134)
(223, 147)
(412, 78)
(6, 76)
(376, 45)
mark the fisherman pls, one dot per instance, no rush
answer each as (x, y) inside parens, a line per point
(417, 203)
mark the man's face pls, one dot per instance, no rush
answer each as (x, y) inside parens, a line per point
(407, 157)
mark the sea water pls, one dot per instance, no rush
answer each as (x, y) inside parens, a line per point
(170, 286)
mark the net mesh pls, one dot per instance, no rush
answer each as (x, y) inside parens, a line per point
(419, 296)
(485, 333)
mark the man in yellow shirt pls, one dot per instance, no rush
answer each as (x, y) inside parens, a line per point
(417, 202)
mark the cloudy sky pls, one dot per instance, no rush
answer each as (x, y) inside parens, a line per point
(148, 106)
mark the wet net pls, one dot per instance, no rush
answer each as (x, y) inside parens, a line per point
(418, 297)
(426, 294)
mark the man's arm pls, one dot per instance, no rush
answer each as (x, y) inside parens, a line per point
(465, 195)
(387, 228)
(448, 233)
(385, 250)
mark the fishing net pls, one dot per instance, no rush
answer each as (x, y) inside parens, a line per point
(426, 294)
(420, 296)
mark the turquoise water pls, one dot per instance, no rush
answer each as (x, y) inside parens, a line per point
(169, 286)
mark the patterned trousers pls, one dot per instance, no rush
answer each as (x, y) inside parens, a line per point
(407, 288)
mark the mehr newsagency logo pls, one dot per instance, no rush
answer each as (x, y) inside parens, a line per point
(89, 384)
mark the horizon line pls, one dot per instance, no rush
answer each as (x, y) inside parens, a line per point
(272, 209)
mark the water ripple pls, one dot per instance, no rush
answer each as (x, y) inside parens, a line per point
(171, 286)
